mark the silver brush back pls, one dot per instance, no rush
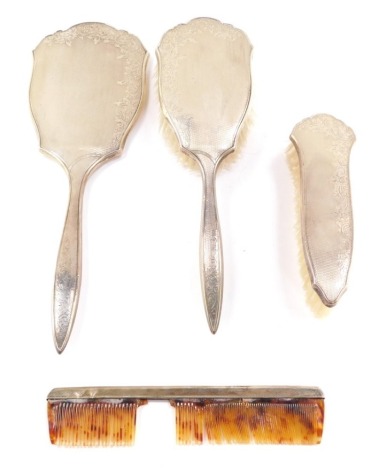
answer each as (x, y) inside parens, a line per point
(323, 144)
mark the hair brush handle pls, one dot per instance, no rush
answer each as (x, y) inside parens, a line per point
(68, 271)
(211, 259)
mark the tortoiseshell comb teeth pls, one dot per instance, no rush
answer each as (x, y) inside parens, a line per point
(261, 415)
(261, 421)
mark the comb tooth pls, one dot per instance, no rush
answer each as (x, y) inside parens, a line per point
(112, 429)
(132, 423)
(189, 423)
(196, 426)
(209, 422)
(199, 425)
(231, 431)
(92, 424)
(187, 426)
(187, 436)
(243, 419)
(220, 418)
(196, 423)
(179, 422)
(189, 413)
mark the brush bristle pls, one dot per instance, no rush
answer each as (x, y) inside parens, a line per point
(243, 422)
(172, 141)
(92, 423)
(312, 298)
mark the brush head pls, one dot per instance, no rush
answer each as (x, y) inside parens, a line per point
(323, 145)
(205, 85)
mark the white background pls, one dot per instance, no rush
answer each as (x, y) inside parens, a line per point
(140, 318)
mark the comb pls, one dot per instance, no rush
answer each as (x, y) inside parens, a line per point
(204, 88)
(323, 145)
(85, 94)
(262, 415)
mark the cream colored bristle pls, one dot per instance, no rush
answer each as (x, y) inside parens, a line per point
(172, 142)
(242, 422)
(92, 423)
(312, 298)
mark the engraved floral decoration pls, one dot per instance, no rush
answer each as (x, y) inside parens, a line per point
(130, 51)
(212, 275)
